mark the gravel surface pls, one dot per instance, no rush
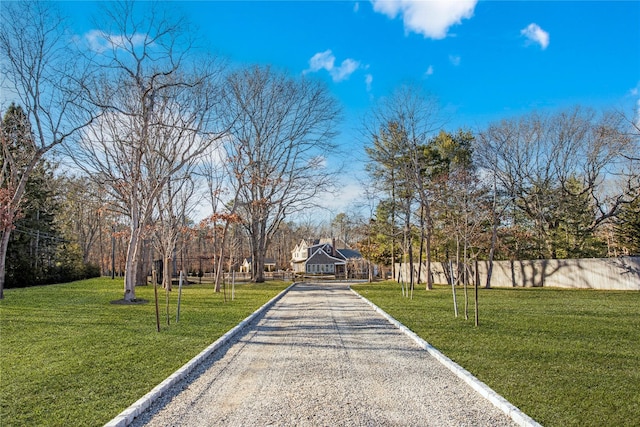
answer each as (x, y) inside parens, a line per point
(322, 357)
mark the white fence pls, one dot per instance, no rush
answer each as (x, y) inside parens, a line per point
(588, 273)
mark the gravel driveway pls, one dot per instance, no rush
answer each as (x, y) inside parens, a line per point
(322, 357)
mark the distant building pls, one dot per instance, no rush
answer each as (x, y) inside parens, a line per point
(325, 256)
(246, 266)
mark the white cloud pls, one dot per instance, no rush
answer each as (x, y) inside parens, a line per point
(455, 60)
(347, 68)
(535, 34)
(326, 61)
(431, 18)
(368, 79)
(99, 41)
(344, 200)
(96, 40)
(356, 7)
(429, 71)
(322, 60)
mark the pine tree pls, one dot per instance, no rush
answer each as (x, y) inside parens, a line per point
(627, 228)
(33, 241)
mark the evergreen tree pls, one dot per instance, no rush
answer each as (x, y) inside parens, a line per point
(33, 240)
(627, 228)
(31, 254)
(36, 251)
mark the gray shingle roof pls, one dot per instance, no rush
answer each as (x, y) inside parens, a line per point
(350, 253)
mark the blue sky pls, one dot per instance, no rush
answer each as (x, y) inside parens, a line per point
(483, 60)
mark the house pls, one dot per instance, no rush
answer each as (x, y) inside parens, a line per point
(324, 257)
(269, 265)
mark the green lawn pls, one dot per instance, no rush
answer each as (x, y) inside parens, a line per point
(565, 357)
(69, 357)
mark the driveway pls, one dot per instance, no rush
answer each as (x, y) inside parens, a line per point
(322, 357)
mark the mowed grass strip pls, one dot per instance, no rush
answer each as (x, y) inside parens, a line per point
(70, 357)
(565, 357)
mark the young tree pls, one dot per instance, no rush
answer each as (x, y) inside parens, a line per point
(39, 70)
(223, 201)
(159, 114)
(277, 149)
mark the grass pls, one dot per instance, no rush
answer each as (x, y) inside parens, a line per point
(565, 357)
(69, 357)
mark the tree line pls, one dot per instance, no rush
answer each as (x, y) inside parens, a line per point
(149, 119)
(148, 116)
(563, 184)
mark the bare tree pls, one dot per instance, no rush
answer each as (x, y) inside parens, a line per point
(278, 149)
(632, 120)
(223, 198)
(159, 114)
(81, 213)
(173, 206)
(556, 167)
(40, 72)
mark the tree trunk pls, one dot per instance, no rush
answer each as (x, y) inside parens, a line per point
(494, 233)
(4, 244)
(453, 289)
(258, 266)
(258, 249)
(167, 273)
(393, 226)
(408, 247)
(218, 282)
(223, 242)
(429, 233)
(475, 286)
(465, 279)
(131, 266)
(141, 273)
(422, 238)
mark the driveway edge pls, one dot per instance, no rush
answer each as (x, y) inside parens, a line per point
(485, 391)
(127, 416)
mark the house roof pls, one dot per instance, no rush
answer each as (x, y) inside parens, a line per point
(339, 243)
(350, 253)
(328, 249)
(322, 252)
(321, 257)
